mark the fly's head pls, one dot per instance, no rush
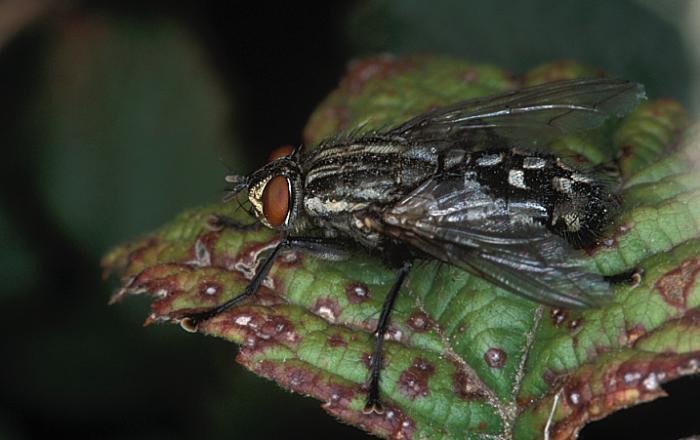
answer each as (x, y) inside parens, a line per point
(274, 191)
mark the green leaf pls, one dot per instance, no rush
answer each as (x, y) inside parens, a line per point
(463, 359)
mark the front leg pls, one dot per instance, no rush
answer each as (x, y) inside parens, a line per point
(320, 247)
(191, 322)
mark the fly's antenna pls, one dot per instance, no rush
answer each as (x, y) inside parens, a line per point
(223, 162)
(296, 152)
(237, 184)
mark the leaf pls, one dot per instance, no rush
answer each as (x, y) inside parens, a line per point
(463, 359)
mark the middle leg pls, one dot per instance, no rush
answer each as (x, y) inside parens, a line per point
(373, 401)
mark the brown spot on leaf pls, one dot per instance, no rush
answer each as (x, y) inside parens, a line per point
(675, 285)
(467, 387)
(525, 401)
(691, 317)
(300, 379)
(634, 333)
(294, 377)
(626, 151)
(549, 376)
(558, 316)
(393, 423)
(338, 397)
(357, 293)
(588, 395)
(327, 308)
(413, 382)
(393, 334)
(420, 322)
(577, 392)
(209, 289)
(290, 259)
(495, 357)
(258, 330)
(575, 323)
(202, 251)
(612, 240)
(336, 340)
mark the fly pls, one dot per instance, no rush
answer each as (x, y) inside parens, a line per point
(463, 184)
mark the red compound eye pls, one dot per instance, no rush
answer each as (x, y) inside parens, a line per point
(275, 200)
(282, 151)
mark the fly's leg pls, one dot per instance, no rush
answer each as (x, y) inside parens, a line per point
(191, 322)
(632, 277)
(218, 222)
(320, 247)
(373, 402)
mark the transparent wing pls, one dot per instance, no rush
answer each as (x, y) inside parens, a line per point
(525, 116)
(455, 221)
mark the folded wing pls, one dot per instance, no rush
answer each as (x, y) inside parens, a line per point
(527, 116)
(456, 221)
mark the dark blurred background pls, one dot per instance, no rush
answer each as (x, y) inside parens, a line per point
(117, 115)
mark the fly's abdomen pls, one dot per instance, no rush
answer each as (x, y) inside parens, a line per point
(578, 206)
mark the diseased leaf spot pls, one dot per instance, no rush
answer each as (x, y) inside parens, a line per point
(357, 293)
(558, 316)
(261, 331)
(210, 288)
(413, 382)
(392, 424)
(338, 397)
(336, 340)
(243, 320)
(692, 317)
(549, 376)
(675, 285)
(634, 333)
(466, 387)
(420, 322)
(614, 239)
(202, 250)
(290, 259)
(327, 308)
(651, 382)
(393, 334)
(577, 393)
(575, 323)
(299, 379)
(495, 357)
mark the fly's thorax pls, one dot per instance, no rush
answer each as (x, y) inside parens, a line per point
(342, 179)
(578, 204)
(275, 191)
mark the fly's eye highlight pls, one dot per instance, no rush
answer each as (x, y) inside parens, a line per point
(275, 201)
